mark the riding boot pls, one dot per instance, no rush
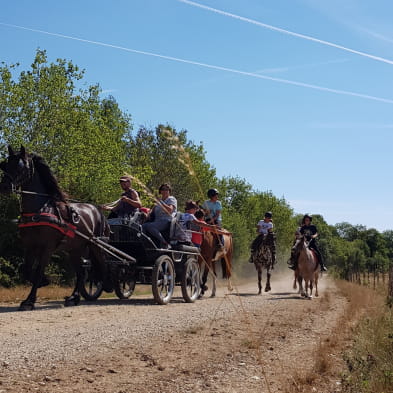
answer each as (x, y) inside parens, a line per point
(291, 264)
(323, 267)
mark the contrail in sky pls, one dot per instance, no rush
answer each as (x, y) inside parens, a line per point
(214, 67)
(288, 32)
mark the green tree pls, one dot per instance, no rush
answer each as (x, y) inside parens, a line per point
(82, 137)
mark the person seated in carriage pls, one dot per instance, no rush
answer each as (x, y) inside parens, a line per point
(189, 224)
(266, 236)
(128, 203)
(310, 232)
(161, 215)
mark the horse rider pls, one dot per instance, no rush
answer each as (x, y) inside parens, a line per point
(311, 233)
(161, 215)
(129, 201)
(213, 208)
(265, 234)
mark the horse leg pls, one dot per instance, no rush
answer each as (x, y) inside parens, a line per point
(259, 269)
(214, 286)
(316, 285)
(204, 279)
(75, 298)
(268, 274)
(294, 280)
(300, 282)
(28, 303)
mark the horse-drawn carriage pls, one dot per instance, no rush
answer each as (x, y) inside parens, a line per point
(105, 257)
(162, 268)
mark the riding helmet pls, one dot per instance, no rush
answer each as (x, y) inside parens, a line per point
(268, 214)
(212, 192)
(306, 216)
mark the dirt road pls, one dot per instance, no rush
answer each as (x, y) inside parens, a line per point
(237, 342)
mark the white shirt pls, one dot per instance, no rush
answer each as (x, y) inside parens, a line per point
(264, 227)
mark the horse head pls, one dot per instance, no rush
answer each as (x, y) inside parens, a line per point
(302, 242)
(18, 169)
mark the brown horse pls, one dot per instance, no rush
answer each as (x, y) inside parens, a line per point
(49, 224)
(307, 268)
(210, 255)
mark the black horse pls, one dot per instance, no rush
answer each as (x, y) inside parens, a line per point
(49, 224)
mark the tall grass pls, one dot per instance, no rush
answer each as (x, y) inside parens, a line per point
(369, 360)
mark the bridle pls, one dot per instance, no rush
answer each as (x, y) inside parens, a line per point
(22, 178)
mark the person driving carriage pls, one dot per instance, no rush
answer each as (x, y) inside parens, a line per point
(160, 216)
(265, 234)
(310, 232)
(129, 201)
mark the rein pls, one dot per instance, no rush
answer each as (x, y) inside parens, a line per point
(32, 193)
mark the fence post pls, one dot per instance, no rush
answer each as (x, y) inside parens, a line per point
(390, 287)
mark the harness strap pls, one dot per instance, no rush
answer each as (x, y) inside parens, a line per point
(47, 219)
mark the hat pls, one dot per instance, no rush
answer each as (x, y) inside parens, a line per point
(125, 178)
(191, 205)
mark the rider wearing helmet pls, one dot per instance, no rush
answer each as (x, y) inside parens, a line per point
(310, 231)
(266, 236)
(212, 209)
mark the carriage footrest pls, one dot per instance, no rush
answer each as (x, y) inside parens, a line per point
(185, 248)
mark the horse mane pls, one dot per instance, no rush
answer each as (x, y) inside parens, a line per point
(48, 178)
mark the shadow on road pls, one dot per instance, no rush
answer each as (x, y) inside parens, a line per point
(57, 304)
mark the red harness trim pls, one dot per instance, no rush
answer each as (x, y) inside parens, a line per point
(65, 228)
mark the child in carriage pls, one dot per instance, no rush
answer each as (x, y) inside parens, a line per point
(187, 220)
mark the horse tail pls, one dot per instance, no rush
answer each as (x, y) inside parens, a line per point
(226, 262)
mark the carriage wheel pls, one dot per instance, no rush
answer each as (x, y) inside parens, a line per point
(91, 286)
(125, 283)
(190, 281)
(163, 279)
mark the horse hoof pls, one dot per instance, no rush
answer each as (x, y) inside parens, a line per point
(71, 301)
(268, 289)
(205, 288)
(212, 295)
(26, 307)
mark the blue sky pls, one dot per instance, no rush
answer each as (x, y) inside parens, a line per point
(305, 111)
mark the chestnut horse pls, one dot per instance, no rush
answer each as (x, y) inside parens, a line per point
(307, 268)
(210, 255)
(49, 224)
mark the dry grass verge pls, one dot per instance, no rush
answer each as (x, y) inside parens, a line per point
(357, 356)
